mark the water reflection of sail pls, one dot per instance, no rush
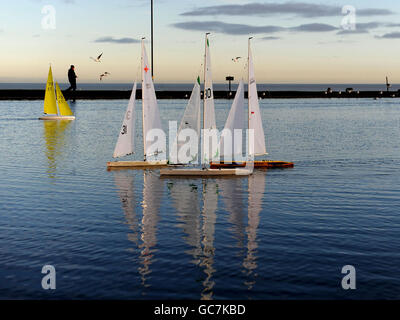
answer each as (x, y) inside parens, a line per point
(256, 193)
(198, 224)
(143, 234)
(231, 191)
(124, 184)
(210, 205)
(185, 196)
(54, 135)
(152, 189)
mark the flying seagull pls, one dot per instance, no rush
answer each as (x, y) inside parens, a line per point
(105, 74)
(97, 59)
(236, 59)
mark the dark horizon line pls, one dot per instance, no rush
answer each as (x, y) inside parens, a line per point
(224, 83)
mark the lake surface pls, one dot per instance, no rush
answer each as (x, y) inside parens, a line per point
(131, 235)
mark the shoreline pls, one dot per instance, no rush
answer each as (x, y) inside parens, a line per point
(18, 94)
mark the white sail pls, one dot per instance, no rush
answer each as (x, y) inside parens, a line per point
(231, 145)
(210, 151)
(255, 120)
(209, 109)
(125, 141)
(190, 120)
(151, 114)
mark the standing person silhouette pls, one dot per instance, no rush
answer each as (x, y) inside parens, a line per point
(72, 80)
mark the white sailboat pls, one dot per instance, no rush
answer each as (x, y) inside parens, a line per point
(151, 120)
(190, 120)
(254, 123)
(54, 96)
(230, 142)
(208, 123)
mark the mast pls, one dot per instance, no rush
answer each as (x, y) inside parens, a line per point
(204, 96)
(152, 40)
(248, 93)
(143, 128)
(54, 88)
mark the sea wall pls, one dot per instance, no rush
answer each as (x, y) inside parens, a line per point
(112, 95)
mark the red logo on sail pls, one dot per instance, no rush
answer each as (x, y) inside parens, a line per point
(146, 69)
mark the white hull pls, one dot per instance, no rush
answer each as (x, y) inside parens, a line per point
(136, 164)
(205, 172)
(69, 118)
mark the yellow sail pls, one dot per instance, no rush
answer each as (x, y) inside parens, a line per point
(50, 104)
(65, 110)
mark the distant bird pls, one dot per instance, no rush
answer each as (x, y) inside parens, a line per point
(236, 59)
(105, 74)
(97, 59)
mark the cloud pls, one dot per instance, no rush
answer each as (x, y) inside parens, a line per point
(349, 32)
(301, 9)
(64, 1)
(116, 40)
(245, 29)
(337, 41)
(374, 12)
(362, 28)
(270, 38)
(227, 28)
(392, 35)
(314, 27)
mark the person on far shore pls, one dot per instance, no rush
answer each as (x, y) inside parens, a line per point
(72, 80)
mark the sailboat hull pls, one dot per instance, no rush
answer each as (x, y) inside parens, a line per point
(136, 164)
(68, 118)
(204, 172)
(265, 164)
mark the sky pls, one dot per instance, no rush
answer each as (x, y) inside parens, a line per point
(294, 41)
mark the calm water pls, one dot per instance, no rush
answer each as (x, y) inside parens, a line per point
(131, 235)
